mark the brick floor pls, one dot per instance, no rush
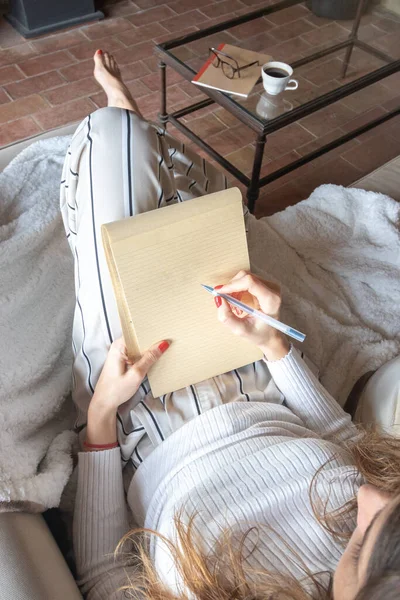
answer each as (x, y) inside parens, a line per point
(48, 81)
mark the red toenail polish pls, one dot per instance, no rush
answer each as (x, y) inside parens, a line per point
(99, 51)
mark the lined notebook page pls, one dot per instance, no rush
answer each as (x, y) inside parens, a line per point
(160, 262)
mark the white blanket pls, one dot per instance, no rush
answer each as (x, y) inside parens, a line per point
(37, 301)
(336, 255)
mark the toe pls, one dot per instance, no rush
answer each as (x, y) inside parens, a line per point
(107, 59)
(98, 57)
(114, 65)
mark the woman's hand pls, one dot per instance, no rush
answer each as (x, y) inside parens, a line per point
(271, 341)
(120, 378)
(119, 381)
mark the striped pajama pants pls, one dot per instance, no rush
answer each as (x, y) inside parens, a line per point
(119, 165)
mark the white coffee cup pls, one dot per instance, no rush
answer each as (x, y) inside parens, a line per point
(275, 84)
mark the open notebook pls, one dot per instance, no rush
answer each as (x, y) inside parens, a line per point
(157, 261)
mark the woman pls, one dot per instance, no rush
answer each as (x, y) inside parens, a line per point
(223, 473)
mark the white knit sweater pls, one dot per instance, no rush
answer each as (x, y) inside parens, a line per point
(237, 465)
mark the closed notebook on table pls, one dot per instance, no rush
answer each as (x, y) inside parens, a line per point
(214, 77)
(157, 261)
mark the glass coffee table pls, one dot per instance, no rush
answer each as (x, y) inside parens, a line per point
(266, 114)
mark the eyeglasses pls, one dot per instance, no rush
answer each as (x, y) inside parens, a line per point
(229, 69)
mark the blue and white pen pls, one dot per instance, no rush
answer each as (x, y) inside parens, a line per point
(297, 335)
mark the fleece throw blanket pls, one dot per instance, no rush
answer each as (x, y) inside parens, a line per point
(37, 302)
(337, 256)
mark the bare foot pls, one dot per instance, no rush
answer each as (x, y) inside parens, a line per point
(107, 74)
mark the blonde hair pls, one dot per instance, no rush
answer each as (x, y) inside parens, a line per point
(224, 574)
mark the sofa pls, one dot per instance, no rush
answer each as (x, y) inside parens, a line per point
(32, 566)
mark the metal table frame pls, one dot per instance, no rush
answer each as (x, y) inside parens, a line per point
(254, 183)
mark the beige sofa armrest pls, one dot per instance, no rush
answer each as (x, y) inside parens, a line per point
(385, 179)
(380, 400)
(31, 564)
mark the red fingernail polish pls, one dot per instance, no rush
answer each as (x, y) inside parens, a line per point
(218, 301)
(218, 287)
(163, 346)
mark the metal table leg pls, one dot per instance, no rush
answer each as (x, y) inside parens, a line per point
(163, 116)
(353, 36)
(254, 188)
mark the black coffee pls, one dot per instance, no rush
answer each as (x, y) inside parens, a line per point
(274, 72)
